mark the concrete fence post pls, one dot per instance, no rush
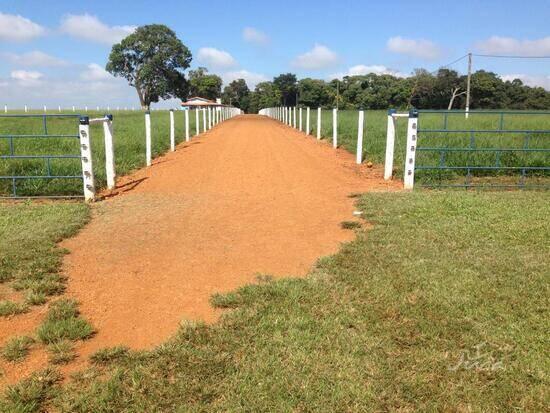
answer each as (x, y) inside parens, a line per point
(187, 125)
(148, 156)
(410, 157)
(334, 128)
(318, 123)
(110, 170)
(26, 109)
(204, 119)
(390, 145)
(197, 123)
(300, 116)
(86, 158)
(172, 131)
(295, 126)
(360, 124)
(308, 130)
(5, 108)
(209, 117)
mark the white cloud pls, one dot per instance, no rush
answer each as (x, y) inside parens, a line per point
(365, 70)
(252, 79)
(421, 48)
(255, 36)
(509, 45)
(530, 80)
(34, 58)
(26, 78)
(95, 72)
(320, 57)
(18, 28)
(88, 27)
(216, 58)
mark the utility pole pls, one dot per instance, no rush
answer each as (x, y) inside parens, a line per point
(468, 84)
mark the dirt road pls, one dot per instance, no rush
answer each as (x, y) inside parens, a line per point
(249, 197)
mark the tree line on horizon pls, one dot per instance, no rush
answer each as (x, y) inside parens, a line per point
(154, 60)
(423, 90)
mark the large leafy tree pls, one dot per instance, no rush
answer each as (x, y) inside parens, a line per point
(153, 60)
(314, 93)
(204, 84)
(288, 87)
(265, 95)
(237, 94)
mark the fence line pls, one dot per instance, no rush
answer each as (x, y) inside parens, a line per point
(288, 116)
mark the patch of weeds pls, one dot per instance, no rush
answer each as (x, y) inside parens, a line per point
(64, 323)
(109, 355)
(49, 284)
(8, 308)
(227, 300)
(355, 195)
(29, 395)
(350, 224)
(17, 348)
(61, 352)
(33, 298)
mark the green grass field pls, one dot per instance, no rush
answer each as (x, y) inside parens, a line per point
(441, 306)
(129, 135)
(374, 146)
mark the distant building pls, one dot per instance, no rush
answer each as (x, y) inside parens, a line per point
(199, 103)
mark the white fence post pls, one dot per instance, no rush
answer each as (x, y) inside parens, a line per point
(110, 170)
(361, 122)
(203, 119)
(295, 118)
(318, 123)
(410, 158)
(86, 158)
(26, 109)
(390, 145)
(172, 131)
(5, 108)
(187, 125)
(148, 138)
(209, 117)
(300, 122)
(307, 122)
(197, 123)
(335, 128)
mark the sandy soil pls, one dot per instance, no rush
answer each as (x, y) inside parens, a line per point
(249, 197)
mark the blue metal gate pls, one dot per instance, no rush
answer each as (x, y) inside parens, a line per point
(40, 156)
(483, 149)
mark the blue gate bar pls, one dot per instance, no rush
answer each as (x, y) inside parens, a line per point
(503, 159)
(46, 157)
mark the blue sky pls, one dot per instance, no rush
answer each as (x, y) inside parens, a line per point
(54, 53)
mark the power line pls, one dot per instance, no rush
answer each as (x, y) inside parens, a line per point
(511, 56)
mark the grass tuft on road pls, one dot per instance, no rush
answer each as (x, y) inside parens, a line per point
(63, 322)
(441, 306)
(17, 348)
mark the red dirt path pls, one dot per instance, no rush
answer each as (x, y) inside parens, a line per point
(249, 197)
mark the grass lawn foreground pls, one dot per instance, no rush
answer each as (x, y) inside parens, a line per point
(441, 306)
